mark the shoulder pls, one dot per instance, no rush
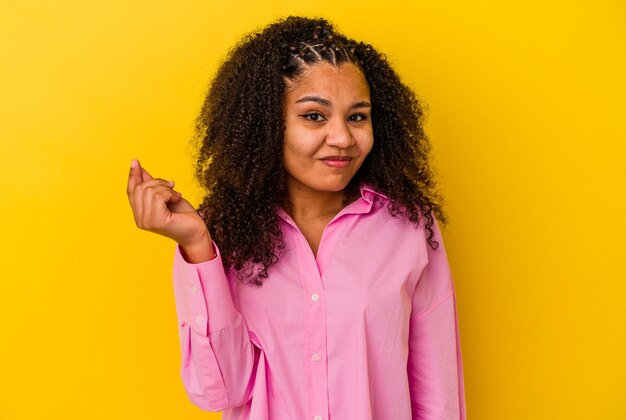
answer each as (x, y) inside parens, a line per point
(386, 225)
(381, 203)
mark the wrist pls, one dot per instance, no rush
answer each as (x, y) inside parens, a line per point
(198, 251)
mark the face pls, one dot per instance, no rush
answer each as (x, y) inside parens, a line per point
(328, 128)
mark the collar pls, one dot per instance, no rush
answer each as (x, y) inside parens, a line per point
(369, 194)
(361, 205)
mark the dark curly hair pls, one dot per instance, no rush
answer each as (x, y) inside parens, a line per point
(240, 136)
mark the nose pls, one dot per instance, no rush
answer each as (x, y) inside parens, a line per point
(339, 134)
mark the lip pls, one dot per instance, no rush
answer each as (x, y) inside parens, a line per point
(337, 161)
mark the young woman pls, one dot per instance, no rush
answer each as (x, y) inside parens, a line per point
(312, 281)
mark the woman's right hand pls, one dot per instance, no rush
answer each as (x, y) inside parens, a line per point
(158, 208)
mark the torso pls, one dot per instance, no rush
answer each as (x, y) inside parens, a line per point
(349, 306)
(313, 230)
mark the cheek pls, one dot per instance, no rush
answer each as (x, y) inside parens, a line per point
(295, 154)
(367, 142)
(298, 146)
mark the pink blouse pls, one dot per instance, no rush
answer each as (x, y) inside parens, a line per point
(366, 330)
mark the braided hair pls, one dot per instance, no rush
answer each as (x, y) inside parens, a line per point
(240, 136)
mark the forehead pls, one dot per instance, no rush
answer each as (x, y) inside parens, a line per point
(325, 79)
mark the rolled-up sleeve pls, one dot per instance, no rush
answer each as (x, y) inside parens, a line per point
(218, 358)
(435, 368)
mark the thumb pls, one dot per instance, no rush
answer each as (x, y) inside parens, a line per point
(145, 176)
(177, 204)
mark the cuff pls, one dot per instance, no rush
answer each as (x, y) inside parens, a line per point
(202, 293)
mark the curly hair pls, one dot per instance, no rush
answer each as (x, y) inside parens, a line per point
(240, 135)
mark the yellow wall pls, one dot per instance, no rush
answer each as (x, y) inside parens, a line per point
(527, 117)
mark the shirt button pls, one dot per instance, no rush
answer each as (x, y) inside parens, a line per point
(199, 319)
(315, 357)
(315, 297)
(317, 418)
(194, 289)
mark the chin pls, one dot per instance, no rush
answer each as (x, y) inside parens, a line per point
(323, 184)
(335, 187)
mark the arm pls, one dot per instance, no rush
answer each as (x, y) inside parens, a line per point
(218, 358)
(435, 367)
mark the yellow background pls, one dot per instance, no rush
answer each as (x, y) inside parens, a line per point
(527, 106)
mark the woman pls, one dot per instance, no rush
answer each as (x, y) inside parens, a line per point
(312, 282)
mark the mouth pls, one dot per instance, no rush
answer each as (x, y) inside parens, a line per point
(337, 161)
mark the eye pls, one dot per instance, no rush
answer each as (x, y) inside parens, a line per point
(313, 116)
(357, 117)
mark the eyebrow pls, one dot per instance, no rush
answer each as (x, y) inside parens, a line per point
(326, 102)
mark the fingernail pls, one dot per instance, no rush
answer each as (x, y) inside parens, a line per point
(133, 163)
(171, 183)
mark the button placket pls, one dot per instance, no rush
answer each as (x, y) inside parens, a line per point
(316, 345)
(316, 376)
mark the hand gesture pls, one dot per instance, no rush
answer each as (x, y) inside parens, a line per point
(158, 208)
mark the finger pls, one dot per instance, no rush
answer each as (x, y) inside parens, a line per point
(134, 179)
(134, 176)
(145, 176)
(135, 191)
(176, 196)
(155, 209)
(180, 205)
(163, 204)
(140, 193)
(162, 193)
(156, 182)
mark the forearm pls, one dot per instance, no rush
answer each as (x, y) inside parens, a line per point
(218, 356)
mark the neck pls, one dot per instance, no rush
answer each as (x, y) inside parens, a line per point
(305, 204)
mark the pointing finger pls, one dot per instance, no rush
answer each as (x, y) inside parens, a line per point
(134, 176)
